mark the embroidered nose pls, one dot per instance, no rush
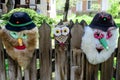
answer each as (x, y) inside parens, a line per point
(20, 41)
(104, 43)
(98, 35)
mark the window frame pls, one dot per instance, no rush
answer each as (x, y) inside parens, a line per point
(91, 2)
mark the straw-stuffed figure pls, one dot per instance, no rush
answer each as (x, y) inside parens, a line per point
(19, 37)
(100, 38)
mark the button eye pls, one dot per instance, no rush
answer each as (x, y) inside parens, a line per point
(24, 36)
(57, 31)
(65, 31)
(14, 34)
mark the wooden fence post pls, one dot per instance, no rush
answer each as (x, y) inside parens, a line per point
(14, 70)
(107, 69)
(61, 60)
(118, 60)
(77, 57)
(91, 71)
(2, 63)
(31, 72)
(45, 52)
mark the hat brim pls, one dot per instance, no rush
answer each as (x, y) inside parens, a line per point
(103, 28)
(18, 29)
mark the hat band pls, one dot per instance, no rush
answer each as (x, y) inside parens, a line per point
(19, 25)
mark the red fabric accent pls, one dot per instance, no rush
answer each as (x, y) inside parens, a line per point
(98, 35)
(20, 47)
(109, 35)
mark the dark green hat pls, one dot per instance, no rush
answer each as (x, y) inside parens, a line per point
(20, 21)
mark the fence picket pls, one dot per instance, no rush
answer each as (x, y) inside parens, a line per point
(61, 59)
(91, 71)
(2, 63)
(107, 69)
(13, 70)
(77, 57)
(45, 52)
(31, 72)
(118, 60)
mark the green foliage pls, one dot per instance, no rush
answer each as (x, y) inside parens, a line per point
(60, 4)
(95, 6)
(114, 8)
(37, 18)
(73, 3)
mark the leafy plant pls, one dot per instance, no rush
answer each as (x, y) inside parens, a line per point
(37, 18)
(114, 8)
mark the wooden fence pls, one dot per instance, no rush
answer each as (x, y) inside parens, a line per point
(68, 63)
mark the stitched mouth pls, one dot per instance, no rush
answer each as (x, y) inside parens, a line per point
(99, 49)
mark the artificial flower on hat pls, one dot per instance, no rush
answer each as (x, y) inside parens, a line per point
(19, 37)
(100, 38)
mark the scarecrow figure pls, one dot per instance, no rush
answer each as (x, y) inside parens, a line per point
(19, 38)
(100, 38)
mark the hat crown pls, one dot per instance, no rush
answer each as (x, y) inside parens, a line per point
(102, 21)
(20, 21)
(104, 18)
(19, 18)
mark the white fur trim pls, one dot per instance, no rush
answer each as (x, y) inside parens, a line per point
(88, 46)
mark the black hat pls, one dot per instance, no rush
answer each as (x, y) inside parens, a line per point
(20, 21)
(102, 21)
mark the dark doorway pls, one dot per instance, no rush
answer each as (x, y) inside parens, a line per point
(1, 3)
(17, 3)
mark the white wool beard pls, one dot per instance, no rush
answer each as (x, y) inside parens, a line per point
(88, 46)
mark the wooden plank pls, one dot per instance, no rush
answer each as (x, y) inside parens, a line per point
(61, 59)
(19, 73)
(76, 35)
(118, 60)
(31, 71)
(77, 65)
(61, 63)
(45, 52)
(107, 69)
(27, 74)
(2, 63)
(91, 71)
(77, 57)
(14, 70)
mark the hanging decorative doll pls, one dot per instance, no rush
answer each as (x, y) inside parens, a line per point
(61, 33)
(100, 38)
(19, 37)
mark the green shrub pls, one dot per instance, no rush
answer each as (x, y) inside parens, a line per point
(114, 8)
(37, 18)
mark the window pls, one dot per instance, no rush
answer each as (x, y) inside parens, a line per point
(90, 4)
(38, 1)
(1, 4)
